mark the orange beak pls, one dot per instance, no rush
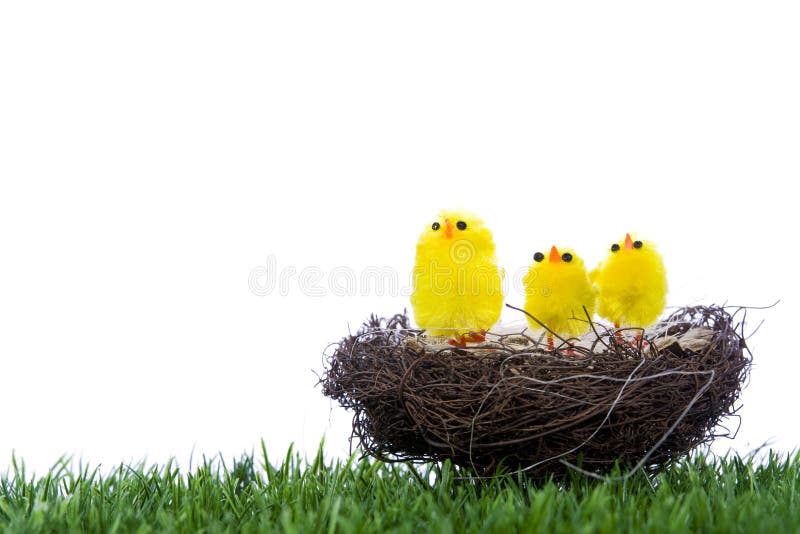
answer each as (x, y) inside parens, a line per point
(628, 242)
(448, 229)
(555, 257)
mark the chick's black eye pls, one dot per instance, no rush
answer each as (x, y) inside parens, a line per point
(637, 244)
(538, 256)
(614, 247)
(461, 225)
(435, 226)
(567, 257)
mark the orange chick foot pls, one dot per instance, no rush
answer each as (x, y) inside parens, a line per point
(459, 342)
(472, 337)
(574, 354)
(475, 337)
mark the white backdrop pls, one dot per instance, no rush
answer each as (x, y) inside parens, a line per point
(160, 161)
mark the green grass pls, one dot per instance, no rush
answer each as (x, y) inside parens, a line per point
(253, 495)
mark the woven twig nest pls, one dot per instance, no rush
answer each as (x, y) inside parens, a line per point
(512, 402)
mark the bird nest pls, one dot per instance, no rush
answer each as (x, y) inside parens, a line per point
(511, 401)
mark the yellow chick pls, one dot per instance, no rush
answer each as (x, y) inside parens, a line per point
(457, 290)
(556, 291)
(632, 284)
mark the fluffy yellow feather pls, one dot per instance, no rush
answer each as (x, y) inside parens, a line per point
(457, 283)
(632, 284)
(557, 288)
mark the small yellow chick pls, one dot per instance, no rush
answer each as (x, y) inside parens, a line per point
(632, 284)
(556, 291)
(457, 290)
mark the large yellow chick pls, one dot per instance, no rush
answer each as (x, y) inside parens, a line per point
(457, 284)
(632, 284)
(557, 288)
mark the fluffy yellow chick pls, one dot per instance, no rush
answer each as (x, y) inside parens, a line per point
(557, 288)
(457, 283)
(632, 284)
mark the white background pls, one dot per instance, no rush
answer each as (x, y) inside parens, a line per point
(154, 154)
